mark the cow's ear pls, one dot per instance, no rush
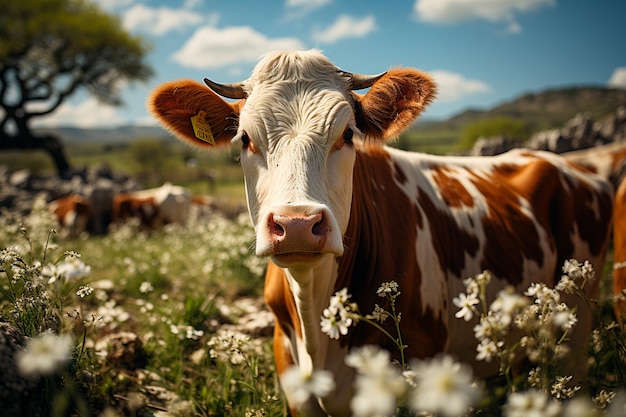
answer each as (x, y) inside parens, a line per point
(393, 102)
(194, 113)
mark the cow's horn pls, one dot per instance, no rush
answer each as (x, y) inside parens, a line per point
(361, 81)
(227, 90)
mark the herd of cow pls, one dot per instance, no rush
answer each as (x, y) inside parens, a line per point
(334, 208)
(152, 208)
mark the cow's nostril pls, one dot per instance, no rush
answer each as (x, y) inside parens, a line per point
(320, 228)
(275, 228)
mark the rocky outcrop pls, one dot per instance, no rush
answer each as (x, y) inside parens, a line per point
(99, 185)
(581, 132)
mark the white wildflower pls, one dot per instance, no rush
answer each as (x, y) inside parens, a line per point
(488, 349)
(604, 398)
(70, 269)
(299, 387)
(377, 395)
(443, 386)
(379, 314)
(506, 304)
(532, 403)
(45, 354)
(534, 377)
(230, 346)
(368, 359)
(386, 288)
(466, 304)
(564, 319)
(379, 384)
(146, 287)
(84, 290)
(617, 408)
(339, 315)
(566, 285)
(560, 390)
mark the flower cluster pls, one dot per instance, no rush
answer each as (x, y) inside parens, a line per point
(339, 315)
(439, 385)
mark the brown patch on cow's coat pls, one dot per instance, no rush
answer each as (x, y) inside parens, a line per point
(450, 242)
(451, 189)
(279, 299)
(380, 246)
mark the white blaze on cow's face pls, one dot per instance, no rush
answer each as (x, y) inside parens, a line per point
(295, 133)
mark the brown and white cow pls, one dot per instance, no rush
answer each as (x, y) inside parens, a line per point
(154, 206)
(609, 161)
(73, 213)
(333, 207)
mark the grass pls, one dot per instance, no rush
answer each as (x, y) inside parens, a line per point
(158, 332)
(169, 288)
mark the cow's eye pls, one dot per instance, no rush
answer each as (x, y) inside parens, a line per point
(347, 136)
(245, 140)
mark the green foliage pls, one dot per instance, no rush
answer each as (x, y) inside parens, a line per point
(487, 128)
(62, 44)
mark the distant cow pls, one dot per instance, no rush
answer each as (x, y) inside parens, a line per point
(607, 160)
(154, 207)
(332, 207)
(73, 213)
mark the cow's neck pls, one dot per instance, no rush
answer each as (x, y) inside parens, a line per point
(312, 289)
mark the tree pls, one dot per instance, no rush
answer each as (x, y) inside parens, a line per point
(49, 49)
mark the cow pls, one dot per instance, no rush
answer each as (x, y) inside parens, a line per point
(155, 206)
(73, 213)
(333, 207)
(609, 161)
(619, 252)
(128, 205)
(605, 160)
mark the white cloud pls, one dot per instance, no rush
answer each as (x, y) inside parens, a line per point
(452, 86)
(210, 47)
(159, 21)
(618, 79)
(346, 27)
(297, 9)
(113, 4)
(87, 114)
(455, 11)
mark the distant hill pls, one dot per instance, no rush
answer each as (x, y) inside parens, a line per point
(119, 134)
(543, 110)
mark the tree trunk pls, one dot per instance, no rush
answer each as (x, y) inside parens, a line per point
(51, 144)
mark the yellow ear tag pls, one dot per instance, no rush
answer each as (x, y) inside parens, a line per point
(201, 129)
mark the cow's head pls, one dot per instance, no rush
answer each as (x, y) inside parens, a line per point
(296, 121)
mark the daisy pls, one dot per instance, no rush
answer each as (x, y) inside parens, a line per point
(443, 386)
(466, 304)
(299, 386)
(45, 354)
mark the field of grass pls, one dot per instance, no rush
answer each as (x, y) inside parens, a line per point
(152, 322)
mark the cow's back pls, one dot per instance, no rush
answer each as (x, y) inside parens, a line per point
(430, 222)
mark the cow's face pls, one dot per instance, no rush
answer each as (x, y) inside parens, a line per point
(295, 125)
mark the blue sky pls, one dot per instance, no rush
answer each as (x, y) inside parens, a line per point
(481, 52)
